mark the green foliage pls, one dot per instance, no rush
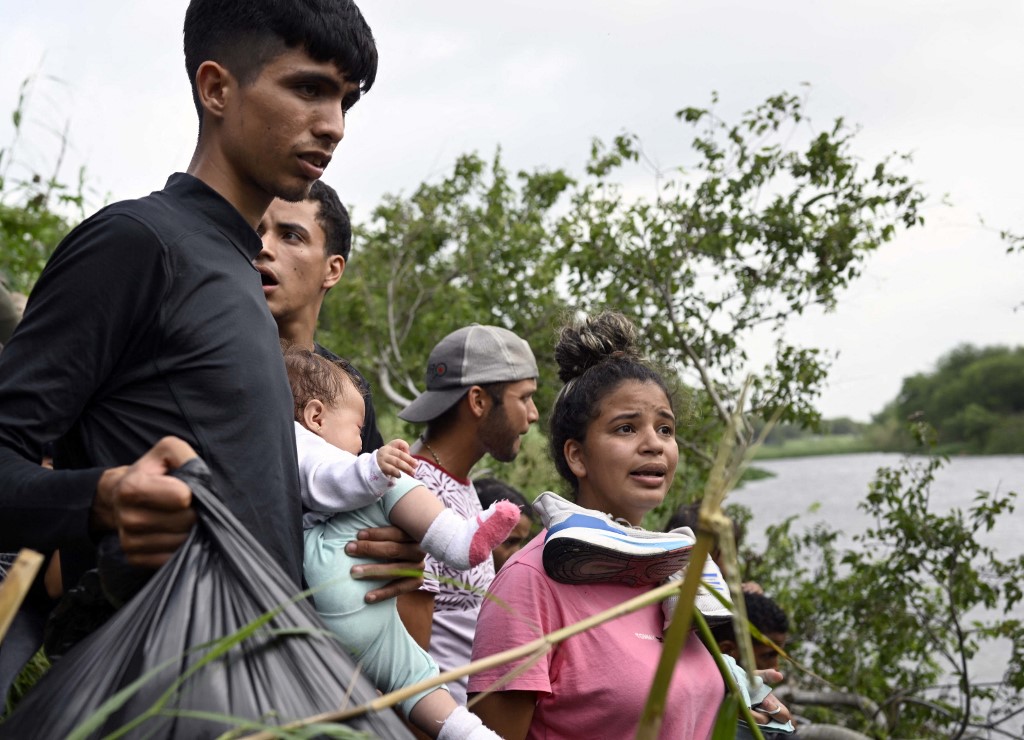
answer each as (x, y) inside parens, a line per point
(35, 208)
(753, 232)
(897, 617)
(30, 674)
(748, 236)
(464, 250)
(974, 398)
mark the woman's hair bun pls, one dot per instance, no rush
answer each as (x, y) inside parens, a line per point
(587, 342)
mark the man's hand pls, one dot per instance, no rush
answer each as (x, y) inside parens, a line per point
(771, 707)
(394, 459)
(150, 511)
(400, 553)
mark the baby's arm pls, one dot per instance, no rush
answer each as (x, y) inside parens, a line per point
(334, 480)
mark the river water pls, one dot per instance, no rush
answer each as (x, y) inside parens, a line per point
(835, 484)
(828, 489)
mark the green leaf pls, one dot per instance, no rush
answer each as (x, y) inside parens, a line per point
(727, 719)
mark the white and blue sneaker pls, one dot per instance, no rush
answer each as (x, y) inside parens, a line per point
(588, 546)
(712, 609)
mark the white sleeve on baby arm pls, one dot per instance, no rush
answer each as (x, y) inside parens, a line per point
(332, 480)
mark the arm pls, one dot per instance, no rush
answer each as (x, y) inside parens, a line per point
(100, 291)
(508, 713)
(335, 480)
(517, 610)
(417, 612)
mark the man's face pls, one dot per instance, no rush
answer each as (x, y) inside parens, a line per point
(280, 129)
(765, 655)
(293, 263)
(502, 428)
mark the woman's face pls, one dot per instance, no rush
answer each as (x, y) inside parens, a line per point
(626, 464)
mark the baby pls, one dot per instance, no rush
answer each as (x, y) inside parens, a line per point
(344, 491)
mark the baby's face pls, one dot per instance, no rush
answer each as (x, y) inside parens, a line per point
(342, 422)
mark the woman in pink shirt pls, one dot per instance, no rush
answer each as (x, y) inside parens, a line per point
(613, 438)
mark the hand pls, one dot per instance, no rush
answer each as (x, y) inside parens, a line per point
(771, 708)
(752, 587)
(394, 459)
(150, 510)
(399, 553)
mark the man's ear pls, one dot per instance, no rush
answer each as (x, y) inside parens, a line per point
(313, 415)
(479, 401)
(214, 85)
(572, 450)
(335, 269)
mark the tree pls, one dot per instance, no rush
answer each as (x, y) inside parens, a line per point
(461, 251)
(746, 238)
(895, 619)
(974, 398)
(36, 209)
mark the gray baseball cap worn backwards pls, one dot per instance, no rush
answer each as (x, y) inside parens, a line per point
(473, 355)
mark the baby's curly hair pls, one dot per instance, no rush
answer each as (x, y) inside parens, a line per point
(314, 377)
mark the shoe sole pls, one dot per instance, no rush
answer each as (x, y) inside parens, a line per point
(577, 555)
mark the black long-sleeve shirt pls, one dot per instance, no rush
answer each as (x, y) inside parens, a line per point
(148, 320)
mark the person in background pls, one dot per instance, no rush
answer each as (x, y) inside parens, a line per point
(688, 515)
(479, 401)
(770, 620)
(490, 490)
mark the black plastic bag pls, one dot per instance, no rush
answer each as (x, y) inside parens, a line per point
(219, 581)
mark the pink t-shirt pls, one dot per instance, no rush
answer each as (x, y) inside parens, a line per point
(595, 684)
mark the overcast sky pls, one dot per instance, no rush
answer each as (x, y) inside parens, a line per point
(939, 79)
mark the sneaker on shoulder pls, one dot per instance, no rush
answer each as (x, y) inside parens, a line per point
(713, 611)
(588, 546)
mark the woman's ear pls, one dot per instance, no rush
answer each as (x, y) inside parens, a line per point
(313, 415)
(572, 450)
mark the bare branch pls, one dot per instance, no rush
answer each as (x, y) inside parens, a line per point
(389, 390)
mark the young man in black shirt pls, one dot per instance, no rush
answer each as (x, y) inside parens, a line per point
(147, 338)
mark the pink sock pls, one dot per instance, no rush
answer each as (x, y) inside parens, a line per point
(465, 543)
(496, 524)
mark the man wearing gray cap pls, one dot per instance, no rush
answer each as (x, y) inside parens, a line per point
(479, 400)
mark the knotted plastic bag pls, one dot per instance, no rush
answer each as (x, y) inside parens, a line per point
(220, 582)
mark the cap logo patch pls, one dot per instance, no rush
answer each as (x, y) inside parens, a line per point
(437, 369)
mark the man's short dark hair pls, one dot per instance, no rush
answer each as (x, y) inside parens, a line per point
(333, 219)
(763, 613)
(245, 35)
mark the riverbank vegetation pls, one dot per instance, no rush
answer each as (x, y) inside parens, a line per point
(762, 219)
(974, 399)
(888, 625)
